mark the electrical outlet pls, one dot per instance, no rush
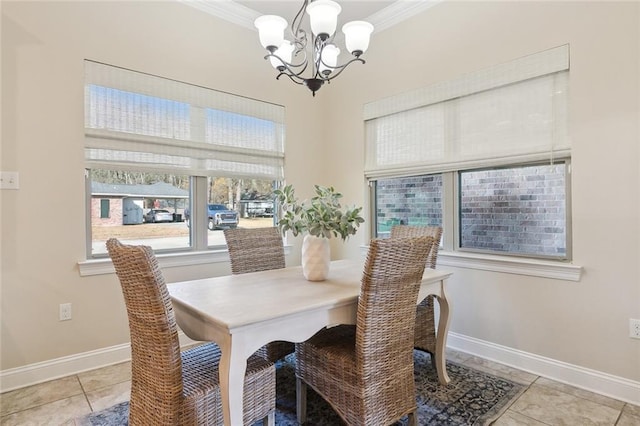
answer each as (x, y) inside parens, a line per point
(9, 180)
(65, 311)
(634, 328)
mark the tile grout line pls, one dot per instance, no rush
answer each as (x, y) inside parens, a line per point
(84, 392)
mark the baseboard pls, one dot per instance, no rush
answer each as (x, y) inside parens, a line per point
(32, 374)
(595, 381)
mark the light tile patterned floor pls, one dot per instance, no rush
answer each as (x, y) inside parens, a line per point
(545, 402)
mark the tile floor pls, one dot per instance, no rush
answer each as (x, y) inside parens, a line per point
(545, 402)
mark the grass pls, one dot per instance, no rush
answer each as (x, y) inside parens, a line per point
(155, 230)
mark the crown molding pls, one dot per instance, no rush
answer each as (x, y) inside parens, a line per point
(228, 10)
(243, 16)
(398, 12)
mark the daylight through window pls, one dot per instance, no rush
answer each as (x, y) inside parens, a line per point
(171, 164)
(486, 156)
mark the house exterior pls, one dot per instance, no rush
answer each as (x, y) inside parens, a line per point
(121, 204)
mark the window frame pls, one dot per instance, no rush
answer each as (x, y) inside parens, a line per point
(451, 254)
(199, 252)
(198, 229)
(451, 194)
(389, 133)
(105, 205)
(205, 133)
(457, 235)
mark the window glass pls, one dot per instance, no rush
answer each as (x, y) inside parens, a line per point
(156, 147)
(244, 203)
(408, 201)
(491, 135)
(143, 208)
(105, 209)
(518, 210)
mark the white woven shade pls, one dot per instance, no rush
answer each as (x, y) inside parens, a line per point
(144, 122)
(510, 113)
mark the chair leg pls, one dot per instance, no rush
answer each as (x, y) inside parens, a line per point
(433, 361)
(413, 418)
(301, 400)
(270, 420)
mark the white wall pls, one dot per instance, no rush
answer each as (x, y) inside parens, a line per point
(43, 45)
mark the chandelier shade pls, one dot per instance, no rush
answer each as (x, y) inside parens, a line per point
(314, 53)
(323, 15)
(356, 36)
(284, 53)
(271, 30)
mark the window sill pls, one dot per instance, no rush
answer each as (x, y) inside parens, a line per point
(509, 265)
(169, 260)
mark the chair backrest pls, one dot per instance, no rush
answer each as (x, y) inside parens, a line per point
(407, 231)
(156, 366)
(254, 249)
(387, 304)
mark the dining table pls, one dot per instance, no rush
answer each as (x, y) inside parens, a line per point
(243, 312)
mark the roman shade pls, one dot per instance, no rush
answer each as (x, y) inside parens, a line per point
(507, 114)
(137, 121)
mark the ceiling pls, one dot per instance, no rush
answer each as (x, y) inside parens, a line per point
(381, 13)
(351, 10)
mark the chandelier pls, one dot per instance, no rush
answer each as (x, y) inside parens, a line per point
(292, 59)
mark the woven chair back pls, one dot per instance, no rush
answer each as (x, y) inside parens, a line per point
(387, 304)
(156, 366)
(254, 249)
(408, 231)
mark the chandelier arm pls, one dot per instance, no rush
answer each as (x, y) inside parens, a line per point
(287, 64)
(287, 69)
(341, 68)
(299, 34)
(319, 45)
(292, 77)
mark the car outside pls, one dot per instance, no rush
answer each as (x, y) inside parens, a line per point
(219, 217)
(158, 215)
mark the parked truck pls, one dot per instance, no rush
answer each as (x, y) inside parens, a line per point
(219, 217)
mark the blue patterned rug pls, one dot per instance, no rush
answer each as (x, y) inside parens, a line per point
(471, 398)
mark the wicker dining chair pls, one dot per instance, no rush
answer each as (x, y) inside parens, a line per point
(170, 387)
(425, 334)
(365, 372)
(253, 250)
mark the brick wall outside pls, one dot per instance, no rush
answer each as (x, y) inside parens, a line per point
(519, 210)
(409, 201)
(115, 212)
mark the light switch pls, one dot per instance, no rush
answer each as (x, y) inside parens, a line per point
(9, 180)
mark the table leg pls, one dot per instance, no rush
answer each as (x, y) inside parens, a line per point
(441, 338)
(233, 366)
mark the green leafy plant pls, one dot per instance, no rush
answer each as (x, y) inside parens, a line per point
(323, 216)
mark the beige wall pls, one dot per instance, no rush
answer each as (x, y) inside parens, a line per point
(582, 323)
(43, 223)
(43, 44)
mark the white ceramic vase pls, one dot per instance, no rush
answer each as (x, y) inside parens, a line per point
(316, 258)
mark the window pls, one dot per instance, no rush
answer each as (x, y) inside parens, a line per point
(171, 164)
(517, 210)
(520, 210)
(485, 156)
(104, 209)
(413, 200)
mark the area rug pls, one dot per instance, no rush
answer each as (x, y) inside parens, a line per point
(471, 398)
